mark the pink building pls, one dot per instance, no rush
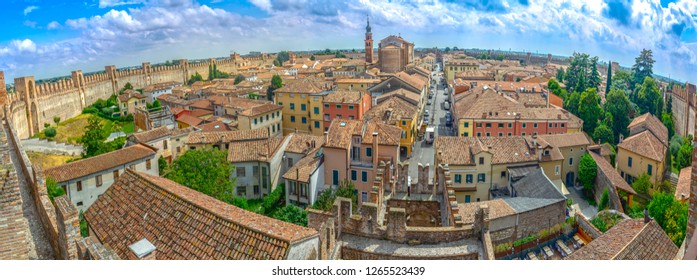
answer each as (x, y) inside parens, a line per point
(356, 149)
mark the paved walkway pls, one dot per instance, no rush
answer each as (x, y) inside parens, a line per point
(50, 147)
(580, 204)
(39, 245)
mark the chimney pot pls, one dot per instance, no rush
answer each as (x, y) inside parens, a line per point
(647, 219)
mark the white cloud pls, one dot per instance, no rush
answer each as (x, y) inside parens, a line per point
(30, 9)
(114, 3)
(30, 23)
(53, 25)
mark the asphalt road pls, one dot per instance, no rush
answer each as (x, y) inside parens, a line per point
(424, 153)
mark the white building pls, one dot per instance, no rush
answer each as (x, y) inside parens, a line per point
(85, 180)
(151, 92)
(257, 165)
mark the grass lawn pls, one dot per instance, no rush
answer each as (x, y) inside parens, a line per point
(71, 130)
(47, 161)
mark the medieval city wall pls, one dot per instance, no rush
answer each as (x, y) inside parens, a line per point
(66, 98)
(353, 254)
(683, 111)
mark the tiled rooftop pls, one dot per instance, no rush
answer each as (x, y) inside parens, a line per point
(653, 124)
(341, 131)
(456, 150)
(301, 143)
(100, 163)
(611, 173)
(646, 144)
(214, 137)
(257, 150)
(185, 224)
(392, 110)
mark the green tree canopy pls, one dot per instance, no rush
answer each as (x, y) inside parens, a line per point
(582, 73)
(560, 74)
(276, 83)
(642, 184)
(608, 83)
(93, 139)
(649, 97)
(312, 57)
(684, 158)
(670, 214)
(643, 67)
(239, 78)
(667, 120)
(571, 103)
(617, 104)
(204, 170)
(292, 214)
(195, 78)
(587, 171)
(589, 110)
(603, 134)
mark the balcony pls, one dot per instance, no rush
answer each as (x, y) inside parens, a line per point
(362, 164)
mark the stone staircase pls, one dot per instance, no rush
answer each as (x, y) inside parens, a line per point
(50, 147)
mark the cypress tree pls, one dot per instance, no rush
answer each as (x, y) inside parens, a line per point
(609, 77)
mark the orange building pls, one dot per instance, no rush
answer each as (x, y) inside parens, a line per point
(345, 104)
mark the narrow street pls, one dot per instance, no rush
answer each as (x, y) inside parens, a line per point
(423, 152)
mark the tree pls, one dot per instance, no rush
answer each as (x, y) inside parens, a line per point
(556, 89)
(667, 120)
(587, 171)
(195, 78)
(603, 134)
(665, 187)
(312, 57)
(281, 57)
(447, 49)
(571, 103)
(210, 72)
(161, 165)
(292, 214)
(93, 139)
(684, 158)
(239, 78)
(670, 214)
(560, 74)
(622, 80)
(642, 184)
(594, 75)
(50, 132)
(675, 144)
(617, 104)
(589, 110)
(205, 170)
(649, 97)
(669, 105)
(326, 198)
(53, 189)
(156, 104)
(643, 67)
(582, 72)
(56, 120)
(608, 83)
(271, 203)
(276, 83)
(604, 201)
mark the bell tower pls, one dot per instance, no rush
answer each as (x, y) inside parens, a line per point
(368, 43)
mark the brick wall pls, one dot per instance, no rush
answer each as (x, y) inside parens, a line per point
(532, 222)
(588, 228)
(90, 249)
(419, 213)
(68, 220)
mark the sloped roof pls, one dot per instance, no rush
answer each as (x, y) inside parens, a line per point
(200, 137)
(302, 170)
(257, 150)
(150, 135)
(653, 124)
(497, 209)
(458, 150)
(185, 224)
(307, 85)
(646, 144)
(392, 110)
(611, 173)
(682, 190)
(341, 130)
(567, 139)
(190, 120)
(100, 163)
(344, 96)
(536, 185)
(629, 240)
(300, 143)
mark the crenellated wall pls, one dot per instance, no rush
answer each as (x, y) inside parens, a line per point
(66, 98)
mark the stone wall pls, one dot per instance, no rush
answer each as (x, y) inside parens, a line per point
(683, 111)
(603, 183)
(90, 249)
(587, 228)
(419, 213)
(532, 222)
(353, 254)
(60, 223)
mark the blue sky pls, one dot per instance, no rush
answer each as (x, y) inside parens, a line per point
(52, 38)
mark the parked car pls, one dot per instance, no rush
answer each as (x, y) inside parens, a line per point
(446, 105)
(429, 102)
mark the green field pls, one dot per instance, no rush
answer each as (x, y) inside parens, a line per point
(71, 130)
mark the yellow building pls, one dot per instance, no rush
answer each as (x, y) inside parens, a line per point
(302, 105)
(356, 84)
(453, 66)
(571, 146)
(129, 101)
(644, 151)
(399, 111)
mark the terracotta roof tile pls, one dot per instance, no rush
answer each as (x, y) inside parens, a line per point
(185, 224)
(300, 143)
(611, 173)
(200, 137)
(150, 135)
(84, 167)
(458, 150)
(257, 150)
(344, 96)
(341, 131)
(261, 109)
(214, 126)
(497, 209)
(302, 170)
(629, 240)
(653, 124)
(392, 110)
(190, 120)
(682, 191)
(307, 85)
(646, 144)
(567, 139)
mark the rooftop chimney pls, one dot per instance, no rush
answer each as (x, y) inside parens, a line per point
(143, 250)
(647, 219)
(376, 141)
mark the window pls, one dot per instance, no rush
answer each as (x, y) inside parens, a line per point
(292, 106)
(335, 177)
(510, 125)
(326, 105)
(326, 117)
(364, 196)
(481, 160)
(503, 174)
(316, 110)
(148, 164)
(79, 186)
(256, 190)
(304, 120)
(242, 190)
(255, 121)
(571, 161)
(500, 134)
(523, 134)
(278, 126)
(479, 125)
(303, 190)
(338, 106)
(242, 171)
(255, 171)
(316, 124)
(467, 199)
(650, 170)
(467, 124)
(338, 116)
(481, 177)
(466, 134)
(116, 174)
(488, 124)
(629, 162)
(534, 125)
(404, 123)
(500, 125)
(292, 118)
(351, 117)
(479, 134)
(550, 124)
(79, 203)
(164, 144)
(350, 107)
(458, 178)
(562, 124)
(488, 134)
(556, 170)
(354, 175)
(468, 178)
(303, 107)
(369, 152)
(267, 117)
(525, 125)
(99, 179)
(364, 176)
(509, 134)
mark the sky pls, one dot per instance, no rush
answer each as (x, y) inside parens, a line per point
(46, 38)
